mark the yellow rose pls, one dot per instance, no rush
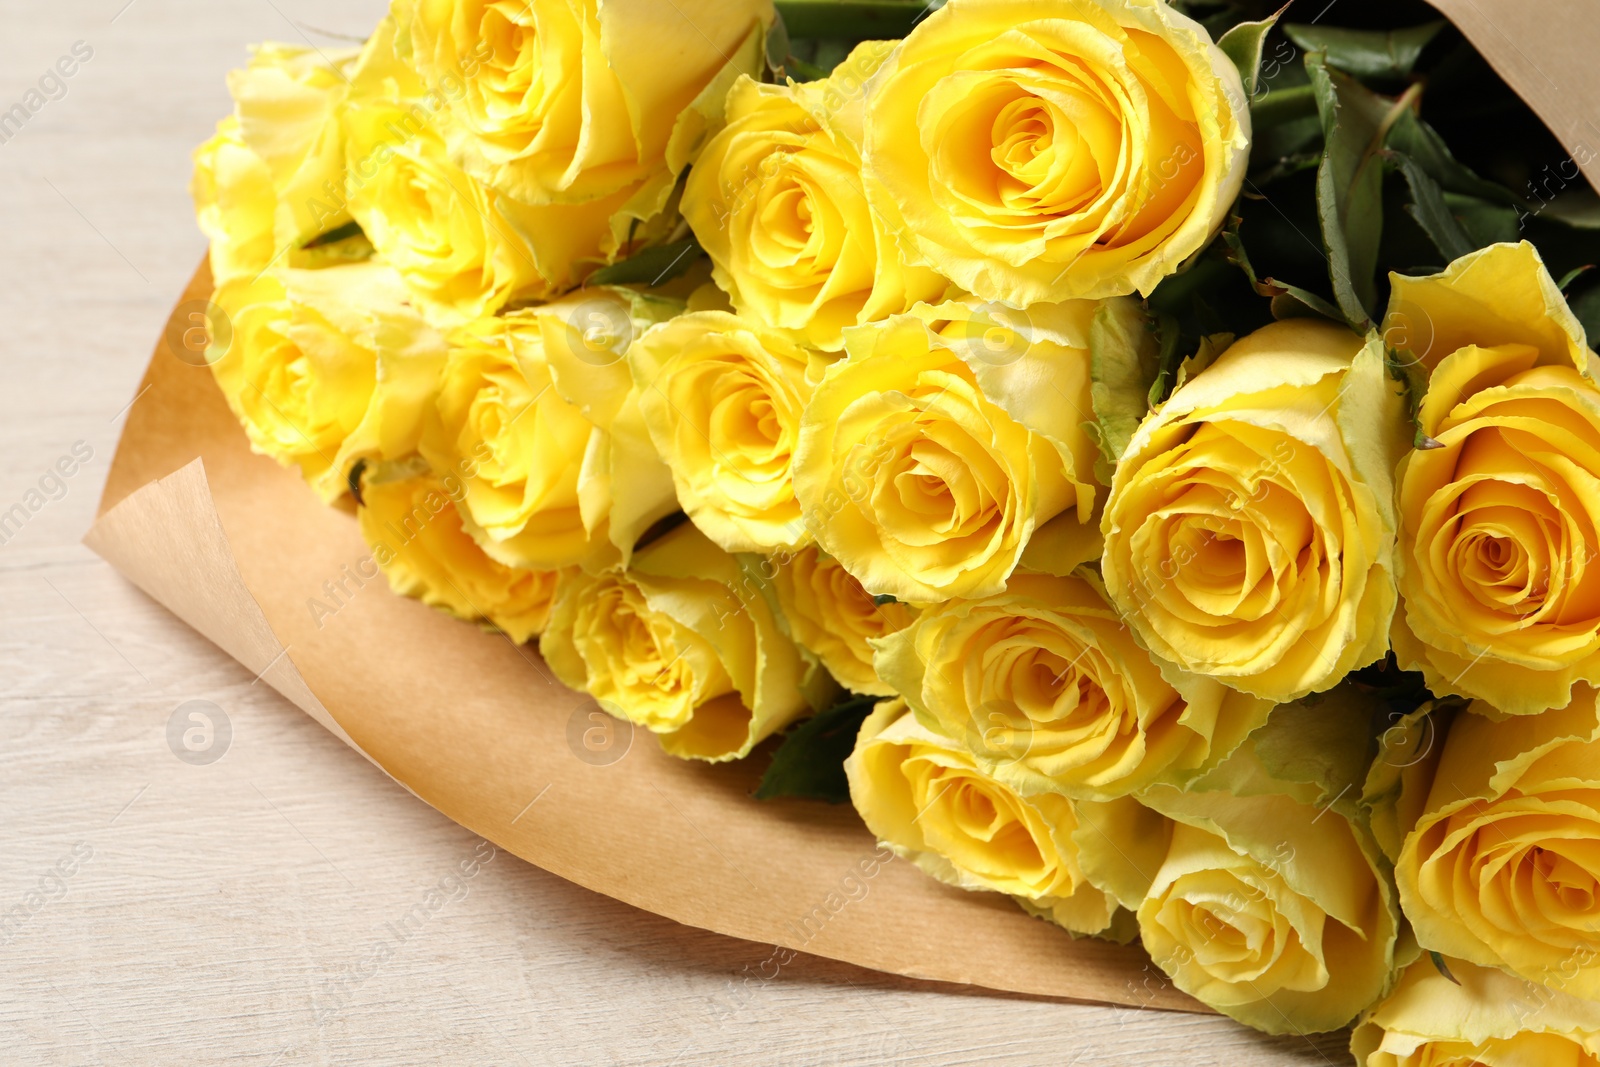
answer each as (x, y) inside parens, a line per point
(722, 398)
(261, 184)
(1498, 575)
(464, 249)
(418, 541)
(1503, 865)
(234, 203)
(920, 794)
(777, 201)
(327, 367)
(1484, 1018)
(1274, 905)
(538, 463)
(683, 643)
(567, 101)
(928, 461)
(1051, 694)
(832, 617)
(1034, 151)
(1250, 530)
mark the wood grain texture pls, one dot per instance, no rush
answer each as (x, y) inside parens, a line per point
(272, 907)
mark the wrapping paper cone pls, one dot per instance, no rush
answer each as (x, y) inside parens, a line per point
(240, 549)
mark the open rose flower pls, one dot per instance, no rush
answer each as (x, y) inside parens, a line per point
(573, 101)
(1503, 865)
(1274, 903)
(921, 794)
(261, 184)
(832, 617)
(327, 367)
(777, 200)
(1032, 151)
(1250, 530)
(463, 248)
(1048, 690)
(931, 459)
(1500, 523)
(722, 397)
(682, 642)
(1478, 1017)
(417, 540)
(543, 455)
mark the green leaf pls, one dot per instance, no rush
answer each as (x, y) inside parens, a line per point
(777, 43)
(651, 267)
(1485, 223)
(342, 244)
(858, 20)
(1428, 207)
(1350, 186)
(1573, 275)
(1271, 287)
(1169, 335)
(1124, 362)
(1422, 143)
(1378, 54)
(1439, 965)
(1243, 44)
(810, 761)
(353, 480)
(884, 598)
(335, 235)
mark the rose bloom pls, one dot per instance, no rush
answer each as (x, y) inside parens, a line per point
(567, 101)
(1499, 576)
(418, 542)
(327, 367)
(722, 397)
(1478, 1017)
(778, 202)
(1049, 692)
(1274, 904)
(1250, 530)
(260, 184)
(921, 795)
(683, 643)
(1033, 151)
(1502, 866)
(832, 617)
(544, 456)
(464, 249)
(936, 454)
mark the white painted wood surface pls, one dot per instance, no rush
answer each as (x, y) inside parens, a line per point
(252, 910)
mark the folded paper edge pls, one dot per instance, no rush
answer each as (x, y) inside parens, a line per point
(167, 538)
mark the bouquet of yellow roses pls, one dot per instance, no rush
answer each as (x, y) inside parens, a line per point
(1144, 455)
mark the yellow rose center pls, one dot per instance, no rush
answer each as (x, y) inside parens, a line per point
(942, 484)
(1053, 144)
(982, 828)
(511, 77)
(642, 662)
(287, 387)
(492, 418)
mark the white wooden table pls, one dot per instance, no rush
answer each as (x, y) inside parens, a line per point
(233, 912)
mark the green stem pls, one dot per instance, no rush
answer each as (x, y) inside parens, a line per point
(860, 20)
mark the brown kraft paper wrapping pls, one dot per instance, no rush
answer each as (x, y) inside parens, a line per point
(237, 546)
